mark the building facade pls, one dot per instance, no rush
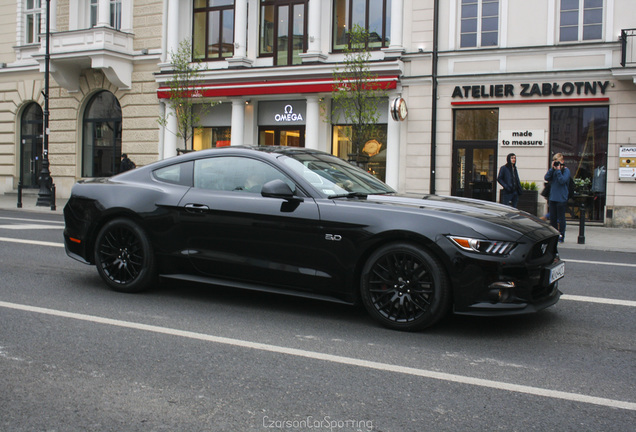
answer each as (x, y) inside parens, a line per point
(466, 83)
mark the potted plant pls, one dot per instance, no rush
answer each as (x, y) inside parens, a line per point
(528, 199)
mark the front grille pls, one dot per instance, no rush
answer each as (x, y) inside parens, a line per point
(544, 250)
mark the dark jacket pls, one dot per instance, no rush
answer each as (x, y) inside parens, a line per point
(508, 177)
(559, 182)
(126, 165)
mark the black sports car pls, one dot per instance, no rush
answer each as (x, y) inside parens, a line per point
(303, 222)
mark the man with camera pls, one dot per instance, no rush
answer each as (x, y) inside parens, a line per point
(558, 177)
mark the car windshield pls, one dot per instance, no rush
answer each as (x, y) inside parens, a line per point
(333, 177)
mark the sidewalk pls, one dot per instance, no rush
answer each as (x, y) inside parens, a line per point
(596, 237)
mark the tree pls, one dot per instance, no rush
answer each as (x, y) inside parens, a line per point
(356, 94)
(186, 76)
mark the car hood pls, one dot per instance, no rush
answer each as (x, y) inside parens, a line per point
(485, 217)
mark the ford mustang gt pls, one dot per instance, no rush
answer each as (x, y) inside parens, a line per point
(306, 223)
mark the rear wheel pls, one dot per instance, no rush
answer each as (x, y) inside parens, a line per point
(124, 257)
(404, 287)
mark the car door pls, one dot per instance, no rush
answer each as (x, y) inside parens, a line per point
(233, 232)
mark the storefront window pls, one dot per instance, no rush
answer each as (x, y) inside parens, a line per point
(372, 15)
(475, 153)
(476, 125)
(213, 29)
(211, 137)
(374, 148)
(581, 135)
(283, 30)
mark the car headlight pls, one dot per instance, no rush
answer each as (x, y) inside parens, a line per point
(490, 247)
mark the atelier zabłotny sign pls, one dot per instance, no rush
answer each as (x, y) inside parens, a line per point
(528, 90)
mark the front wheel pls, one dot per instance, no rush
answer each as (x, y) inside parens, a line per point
(404, 287)
(124, 257)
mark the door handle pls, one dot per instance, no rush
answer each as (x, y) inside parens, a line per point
(196, 208)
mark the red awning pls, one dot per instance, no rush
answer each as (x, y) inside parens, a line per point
(267, 87)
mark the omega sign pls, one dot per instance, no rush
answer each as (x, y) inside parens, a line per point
(288, 115)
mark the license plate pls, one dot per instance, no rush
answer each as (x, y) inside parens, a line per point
(557, 272)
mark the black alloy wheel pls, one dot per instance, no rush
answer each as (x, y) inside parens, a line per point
(405, 287)
(124, 257)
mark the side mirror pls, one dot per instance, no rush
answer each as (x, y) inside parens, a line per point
(277, 189)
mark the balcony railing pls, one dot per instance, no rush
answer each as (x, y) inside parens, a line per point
(628, 47)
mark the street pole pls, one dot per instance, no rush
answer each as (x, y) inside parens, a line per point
(45, 195)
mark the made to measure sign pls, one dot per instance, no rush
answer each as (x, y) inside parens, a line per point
(522, 138)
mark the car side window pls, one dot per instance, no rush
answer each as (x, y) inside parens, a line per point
(180, 174)
(235, 174)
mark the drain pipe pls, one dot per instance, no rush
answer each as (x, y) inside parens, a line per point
(434, 97)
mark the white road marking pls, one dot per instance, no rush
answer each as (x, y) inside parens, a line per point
(598, 300)
(461, 379)
(32, 220)
(599, 263)
(29, 227)
(33, 242)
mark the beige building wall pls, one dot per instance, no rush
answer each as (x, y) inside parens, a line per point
(24, 84)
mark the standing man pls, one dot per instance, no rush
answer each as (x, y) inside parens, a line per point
(508, 178)
(558, 177)
(126, 163)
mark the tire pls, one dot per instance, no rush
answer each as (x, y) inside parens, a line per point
(124, 257)
(404, 287)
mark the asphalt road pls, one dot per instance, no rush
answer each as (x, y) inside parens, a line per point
(75, 356)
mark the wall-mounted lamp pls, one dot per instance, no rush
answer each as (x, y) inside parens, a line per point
(144, 51)
(247, 102)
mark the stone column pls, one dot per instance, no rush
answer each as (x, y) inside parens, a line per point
(392, 148)
(172, 31)
(312, 122)
(170, 134)
(103, 13)
(238, 122)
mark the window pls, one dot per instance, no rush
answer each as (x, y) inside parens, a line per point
(581, 135)
(210, 137)
(372, 15)
(235, 174)
(213, 29)
(283, 30)
(581, 20)
(33, 17)
(374, 148)
(31, 138)
(180, 174)
(101, 143)
(115, 13)
(479, 23)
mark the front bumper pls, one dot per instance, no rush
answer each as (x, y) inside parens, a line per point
(519, 283)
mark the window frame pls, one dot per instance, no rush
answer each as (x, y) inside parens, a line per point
(479, 31)
(580, 23)
(115, 13)
(208, 11)
(32, 35)
(386, 25)
(276, 5)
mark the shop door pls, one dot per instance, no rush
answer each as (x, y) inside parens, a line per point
(31, 147)
(293, 136)
(474, 171)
